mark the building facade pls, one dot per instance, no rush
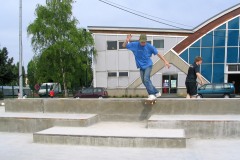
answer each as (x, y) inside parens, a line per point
(217, 41)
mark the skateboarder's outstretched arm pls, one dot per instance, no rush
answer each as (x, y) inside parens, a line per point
(164, 60)
(127, 40)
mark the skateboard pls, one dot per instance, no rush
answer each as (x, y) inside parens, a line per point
(150, 101)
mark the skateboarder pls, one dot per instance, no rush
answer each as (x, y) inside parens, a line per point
(143, 52)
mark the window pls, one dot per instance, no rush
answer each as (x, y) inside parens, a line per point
(123, 74)
(218, 86)
(219, 37)
(208, 86)
(87, 91)
(120, 45)
(112, 74)
(226, 86)
(232, 68)
(111, 45)
(150, 42)
(158, 43)
(207, 40)
(97, 90)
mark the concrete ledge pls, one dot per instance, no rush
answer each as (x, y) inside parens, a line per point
(127, 109)
(24, 105)
(199, 126)
(29, 122)
(170, 138)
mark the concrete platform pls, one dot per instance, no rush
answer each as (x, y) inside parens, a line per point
(199, 126)
(32, 122)
(114, 134)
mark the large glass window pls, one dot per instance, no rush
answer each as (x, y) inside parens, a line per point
(221, 27)
(232, 55)
(218, 73)
(219, 37)
(218, 56)
(196, 44)
(207, 71)
(193, 53)
(207, 41)
(233, 36)
(234, 24)
(207, 55)
(184, 55)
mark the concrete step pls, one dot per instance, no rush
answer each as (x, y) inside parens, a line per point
(33, 122)
(114, 134)
(199, 126)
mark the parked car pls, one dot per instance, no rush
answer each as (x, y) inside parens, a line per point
(216, 90)
(98, 92)
(46, 87)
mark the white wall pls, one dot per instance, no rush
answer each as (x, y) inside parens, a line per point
(122, 60)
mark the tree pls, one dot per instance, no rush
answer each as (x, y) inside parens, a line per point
(60, 45)
(8, 74)
(32, 73)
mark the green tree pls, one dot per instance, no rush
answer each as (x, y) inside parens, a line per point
(8, 74)
(60, 45)
(32, 73)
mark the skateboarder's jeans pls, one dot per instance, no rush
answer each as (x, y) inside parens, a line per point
(145, 76)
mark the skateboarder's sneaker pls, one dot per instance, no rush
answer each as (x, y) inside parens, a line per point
(151, 97)
(159, 94)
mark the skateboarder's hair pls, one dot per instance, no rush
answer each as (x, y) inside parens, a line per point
(198, 58)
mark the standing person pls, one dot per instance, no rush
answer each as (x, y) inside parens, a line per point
(51, 93)
(191, 79)
(143, 52)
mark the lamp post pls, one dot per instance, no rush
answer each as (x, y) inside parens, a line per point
(20, 51)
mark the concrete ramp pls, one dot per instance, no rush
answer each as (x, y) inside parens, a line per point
(117, 134)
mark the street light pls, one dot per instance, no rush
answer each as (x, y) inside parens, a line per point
(20, 51)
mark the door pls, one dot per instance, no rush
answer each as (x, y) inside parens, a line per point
(169, 84)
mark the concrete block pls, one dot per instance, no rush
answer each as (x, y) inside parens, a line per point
(199, 126)
(115, 138)
(28, 122)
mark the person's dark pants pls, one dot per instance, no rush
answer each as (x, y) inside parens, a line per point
(191, 88)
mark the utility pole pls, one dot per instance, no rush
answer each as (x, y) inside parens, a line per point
(20, 51)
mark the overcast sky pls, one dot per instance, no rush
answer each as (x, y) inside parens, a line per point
(191, 13)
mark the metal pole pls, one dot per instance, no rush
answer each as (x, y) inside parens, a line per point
(20, 51)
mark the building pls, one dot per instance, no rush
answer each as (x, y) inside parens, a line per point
(217, 40)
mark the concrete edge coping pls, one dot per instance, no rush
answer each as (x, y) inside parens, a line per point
(48, 116)
(194, 118)
(129, 133)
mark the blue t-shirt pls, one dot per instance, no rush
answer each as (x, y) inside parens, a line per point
(142, 54)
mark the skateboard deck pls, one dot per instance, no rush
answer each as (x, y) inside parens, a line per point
(150, 101)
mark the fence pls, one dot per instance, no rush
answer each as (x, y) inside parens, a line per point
(12, 91)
